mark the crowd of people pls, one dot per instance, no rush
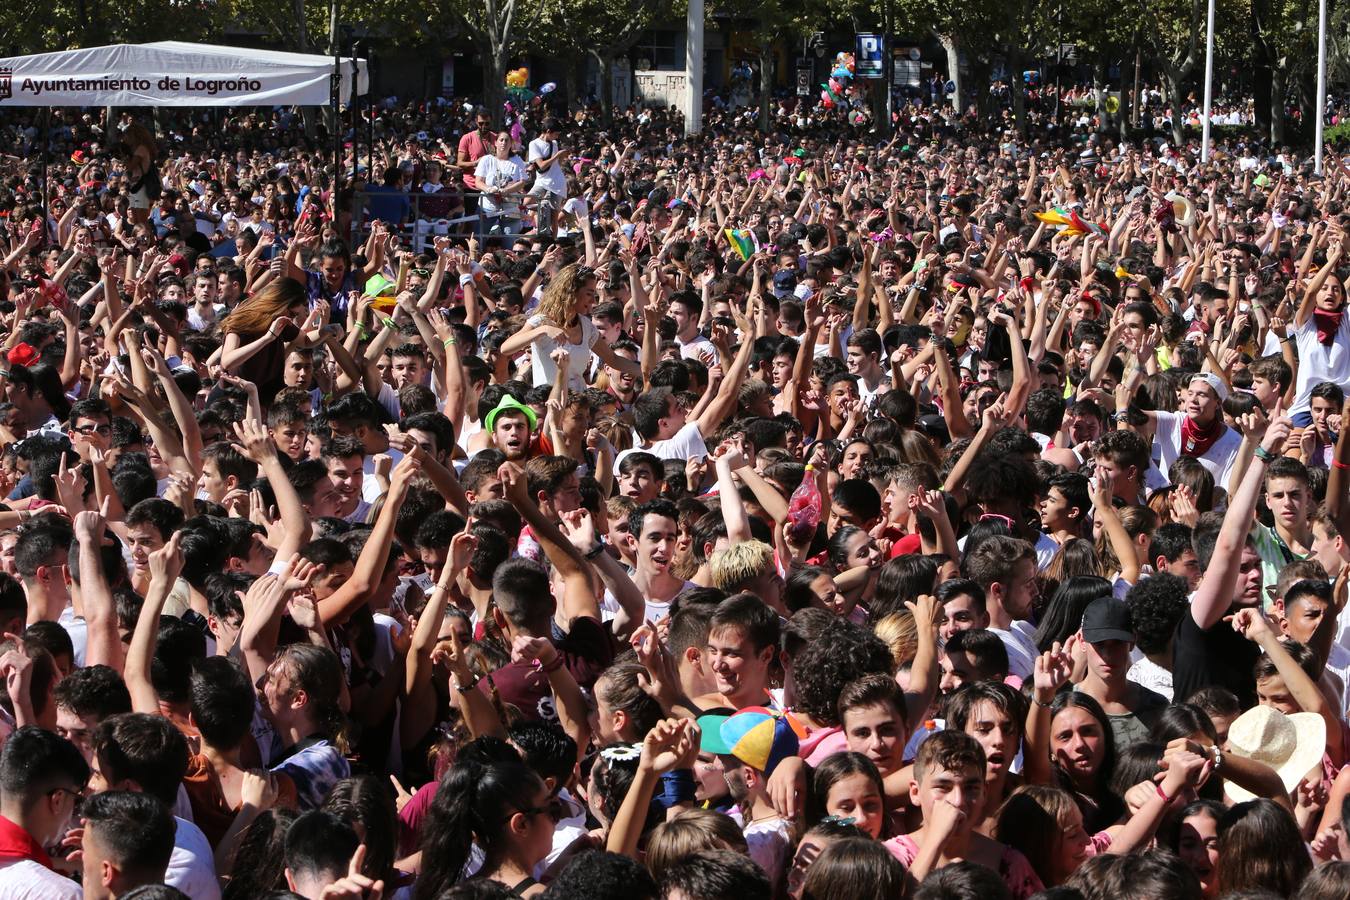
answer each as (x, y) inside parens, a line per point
(818, 514)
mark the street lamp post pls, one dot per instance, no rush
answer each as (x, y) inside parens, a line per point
(1321, 84)
(1209, 83)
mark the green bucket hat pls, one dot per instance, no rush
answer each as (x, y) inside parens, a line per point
(377, 285)
(511, 404)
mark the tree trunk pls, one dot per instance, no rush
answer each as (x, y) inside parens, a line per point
(494, 82)
(605, 62)
(1019, 99)
(765, 87)
(1099, 87)
(301, 29)
(1172, 79)
(952, 44)
(1262, 67)
(1279, 79)
(572, 84)
(1127, 100)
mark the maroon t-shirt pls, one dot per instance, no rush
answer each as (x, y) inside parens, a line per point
(587, 650)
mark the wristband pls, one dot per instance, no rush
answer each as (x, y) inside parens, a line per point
(450, 341)
(677, 786)
(388, 321)
(1163, 794)
(595, 551)
(361, 331)
(1264, 455)
(548, 667)
(1340, 465)
(465, 280)
(465, 688)
(1217, 753)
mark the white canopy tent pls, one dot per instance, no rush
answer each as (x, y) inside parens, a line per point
(174, 73)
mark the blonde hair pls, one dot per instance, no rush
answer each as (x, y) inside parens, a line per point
(734, 566)
(256, 314)
(691, 833)
(1137, 520)
(559, 303)
(901, 636)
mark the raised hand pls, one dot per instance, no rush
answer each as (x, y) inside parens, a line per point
(258, 789)
(667, 744)
(166, 563)
(254, 441)
(1051, 672)
(1251, 623)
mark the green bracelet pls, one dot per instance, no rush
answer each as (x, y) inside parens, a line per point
(1264, 455)
(388, 320)
(450, 341)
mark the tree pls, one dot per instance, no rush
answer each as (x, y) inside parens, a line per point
(491, 24)
(602, 30)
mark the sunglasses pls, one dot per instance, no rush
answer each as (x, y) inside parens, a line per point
(555, 809)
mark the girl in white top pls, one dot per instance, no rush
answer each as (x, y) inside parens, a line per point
(501, 178)
(563, 320)
(1322, 334)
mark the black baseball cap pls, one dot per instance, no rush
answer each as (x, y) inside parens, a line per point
(1107, 619)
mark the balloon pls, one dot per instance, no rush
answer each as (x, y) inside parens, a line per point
(827, 103)
(517, 77)
(548, 88)
(834, 85)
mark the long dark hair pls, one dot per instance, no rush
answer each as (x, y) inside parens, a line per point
(904, 578)
(1063, 615)
(473, 805)
(364, 800)
(1109, 806)
(260, 860)
(833, 769)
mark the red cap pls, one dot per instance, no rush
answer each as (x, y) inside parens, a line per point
(22, 354)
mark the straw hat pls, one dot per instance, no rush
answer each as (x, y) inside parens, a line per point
(1183, 210)
(1291, 745)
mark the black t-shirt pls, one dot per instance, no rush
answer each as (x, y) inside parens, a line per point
(1219, 656)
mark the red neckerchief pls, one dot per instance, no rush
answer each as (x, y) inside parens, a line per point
(1196, 442)
(1328, 323)
(17, 845)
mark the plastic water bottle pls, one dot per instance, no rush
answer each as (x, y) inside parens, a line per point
(804, 509)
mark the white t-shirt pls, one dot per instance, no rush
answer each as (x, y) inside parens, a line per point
(29, 880)
(551, 179)
(1022, 651)
(541, 361)
(1317, 363)
(1218, 459)
(495, 174)
(686, 444)
(192, 866)
(696, 348)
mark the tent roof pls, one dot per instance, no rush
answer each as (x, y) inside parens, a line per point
(174, 73)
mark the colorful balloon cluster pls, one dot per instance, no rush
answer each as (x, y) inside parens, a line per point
(518, 78)
(832, 93)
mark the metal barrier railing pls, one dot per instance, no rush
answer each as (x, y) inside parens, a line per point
(420, 231)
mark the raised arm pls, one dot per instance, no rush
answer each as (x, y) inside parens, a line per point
(165, 565)
(1215, 594)
(255, 443)
(1309, 301)
(578, 595)
(369, 570)
(104, 644)
(1252, 624)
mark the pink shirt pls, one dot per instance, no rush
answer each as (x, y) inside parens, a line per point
(475, 148)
